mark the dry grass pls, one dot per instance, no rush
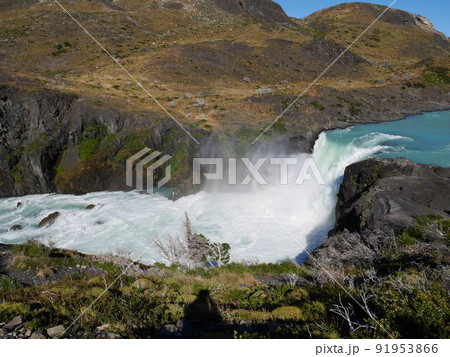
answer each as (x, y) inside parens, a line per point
(43, 44)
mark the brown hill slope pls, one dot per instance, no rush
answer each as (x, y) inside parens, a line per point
(196, 46)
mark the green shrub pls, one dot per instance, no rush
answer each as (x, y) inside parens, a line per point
(316, 104)
(87, 148)
(354, 111)
(180, 164)
(255, 316)
(144, 284)
(133, 142)
(287, 313)
(437, 75)
(313, 311)
(90, 139)
(279, 127)
(187, 299)
(7, 283)
(32, 249)
(417, 314)
(108, 267)
(423, 226)
(174, 312)
(8, 310)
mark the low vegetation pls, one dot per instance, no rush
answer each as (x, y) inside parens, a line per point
(90, 139)
(239, 300)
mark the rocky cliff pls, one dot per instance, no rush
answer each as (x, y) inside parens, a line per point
(385, 203)
(262, 10)
(55, 142)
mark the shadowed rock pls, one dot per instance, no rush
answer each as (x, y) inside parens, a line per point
(49, 220)
(262, 10)
(377, 199)
(377, 192)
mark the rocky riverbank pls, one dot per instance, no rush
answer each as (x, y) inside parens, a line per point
(379, 201)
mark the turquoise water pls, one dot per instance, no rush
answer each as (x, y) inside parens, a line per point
(424, 139)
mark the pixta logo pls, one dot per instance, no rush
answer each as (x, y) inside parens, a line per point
(305, 170)
(146, 159)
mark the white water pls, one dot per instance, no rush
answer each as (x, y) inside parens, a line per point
(128, 221)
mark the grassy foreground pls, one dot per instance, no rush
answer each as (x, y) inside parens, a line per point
(404, 296)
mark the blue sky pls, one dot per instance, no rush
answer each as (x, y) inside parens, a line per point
(437, 11)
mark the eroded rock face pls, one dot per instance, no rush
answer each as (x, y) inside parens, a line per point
(377, 199)
(377, 192)
(40, 134)
(262, 10)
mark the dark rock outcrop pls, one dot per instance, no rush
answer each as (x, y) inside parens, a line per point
(49, 220)
(377, 199)
(379, 192)
(185, 188)
(40, 134)
(262, 10)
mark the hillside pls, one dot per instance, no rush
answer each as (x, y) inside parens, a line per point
(216, 66)
(196, 46)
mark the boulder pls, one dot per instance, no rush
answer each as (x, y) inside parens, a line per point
(91, 206)
(113, 336)
(184, 188)
(49, 220)
(37, 335)
(264, 90)
(167, 331)
(376, 193)
(16, 321)
(56, 331)
(16, 227)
